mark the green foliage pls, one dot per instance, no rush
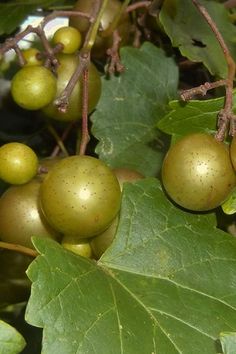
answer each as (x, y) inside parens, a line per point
(130, 107)
(189, 31)
(158, 289)
(193, 116)
(11, 341)
(228, 342)
(14, 12)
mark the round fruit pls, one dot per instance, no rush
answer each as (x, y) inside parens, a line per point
(80, 196)
(33, 87)
(80, 247)
(32, 56)
(127, 175)
(233, 152)
(69, 37)
(103, 41)
(20, 216)
(101, 242)
(18, 163)
(197, 172)
(68, 64)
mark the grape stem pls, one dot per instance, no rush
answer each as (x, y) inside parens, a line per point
(226, 117)
(18, 248)
(229, 4)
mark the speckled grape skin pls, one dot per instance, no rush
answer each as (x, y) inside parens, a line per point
(197, 172)
(233, 152)
(80, 196)
(21, 217)
(33, 87)
(18, 163)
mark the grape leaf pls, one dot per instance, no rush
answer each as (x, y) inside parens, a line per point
(166, 285)
(193, 36)
(229, 206)
(11, 341)
(228, 342)
(130, 106)
(192, 116)
(13, 13)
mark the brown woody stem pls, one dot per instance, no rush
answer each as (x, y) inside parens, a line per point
(138, 5)
(18, 248)
(85, 133)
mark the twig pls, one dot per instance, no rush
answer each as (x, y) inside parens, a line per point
(62, 139)
(85, 133)
(18, 248)
(138, 5)
(230, 4)
(115, 64)
(225, 116)
(201, 90)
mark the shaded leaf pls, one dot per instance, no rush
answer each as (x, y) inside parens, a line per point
(193, 116)
(157, 289)
(193, 36)
(228, 342)
(131, 105)
(11, 341)
(13, 13)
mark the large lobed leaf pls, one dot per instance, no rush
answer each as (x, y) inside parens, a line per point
(166, 285)
(189, 31)
(193, 116)
(131, 105)
(11, 341)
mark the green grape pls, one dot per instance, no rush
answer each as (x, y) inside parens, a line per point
(107, 25)
(18, 163)
(20, 215)
(69, 37)
(197, 172)
(81, 247)
(68, 64)
(33, 87)
(80, 196)
(31, 56)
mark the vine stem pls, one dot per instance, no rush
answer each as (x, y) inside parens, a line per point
(85, 133)
(18, 248)
(225, 116)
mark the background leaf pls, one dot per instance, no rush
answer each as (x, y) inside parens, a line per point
(157, 289)
(228, 342)
(13, 13)
(193, 116)
(131, 105)
(189, 31)
(11, 341)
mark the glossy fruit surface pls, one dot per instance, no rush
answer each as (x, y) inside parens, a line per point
(33, 87)
(101, 242)
(233, 152)
(80, 196)
(103, 41)
(20, 216)
(18, 163)
(69, 37)
(127, 175)
(68, 64)
(81, 247)
(197, 172)
(31, 55)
